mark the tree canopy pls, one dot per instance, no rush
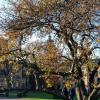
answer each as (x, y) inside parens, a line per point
(75, 23)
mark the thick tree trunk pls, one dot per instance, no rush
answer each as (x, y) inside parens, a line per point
(78, 93)
(78, 90)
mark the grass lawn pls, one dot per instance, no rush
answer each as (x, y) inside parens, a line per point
(37, 95)
(41, 96)
(38, 99)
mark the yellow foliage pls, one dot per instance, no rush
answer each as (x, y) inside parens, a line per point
(2, 58)
(1, 66)
(15, 67)
(90, 64)
(98, 40)
(48, 59)
(68, 84)
(49, 83)
(3, 45)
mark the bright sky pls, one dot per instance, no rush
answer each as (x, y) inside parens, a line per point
(2, 3)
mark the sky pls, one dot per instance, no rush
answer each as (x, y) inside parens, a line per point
(3, 2)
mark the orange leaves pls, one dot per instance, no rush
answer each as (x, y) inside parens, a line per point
(51, 51)
(12, 38)
(15, 67)
(47, 6)
(47, 56)
(3, 45)
(45, 3)
(13, 35)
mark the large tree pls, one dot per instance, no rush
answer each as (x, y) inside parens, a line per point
(73, 21)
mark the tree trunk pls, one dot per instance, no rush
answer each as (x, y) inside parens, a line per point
(89, 98)
(78, 92)
(94, 94)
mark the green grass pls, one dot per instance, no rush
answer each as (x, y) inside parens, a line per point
(42, 95)
(37, 95)
(38, 99)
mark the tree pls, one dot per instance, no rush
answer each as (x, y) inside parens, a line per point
(72, 21)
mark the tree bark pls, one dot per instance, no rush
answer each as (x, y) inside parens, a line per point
(78, 92)
(94, 90)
